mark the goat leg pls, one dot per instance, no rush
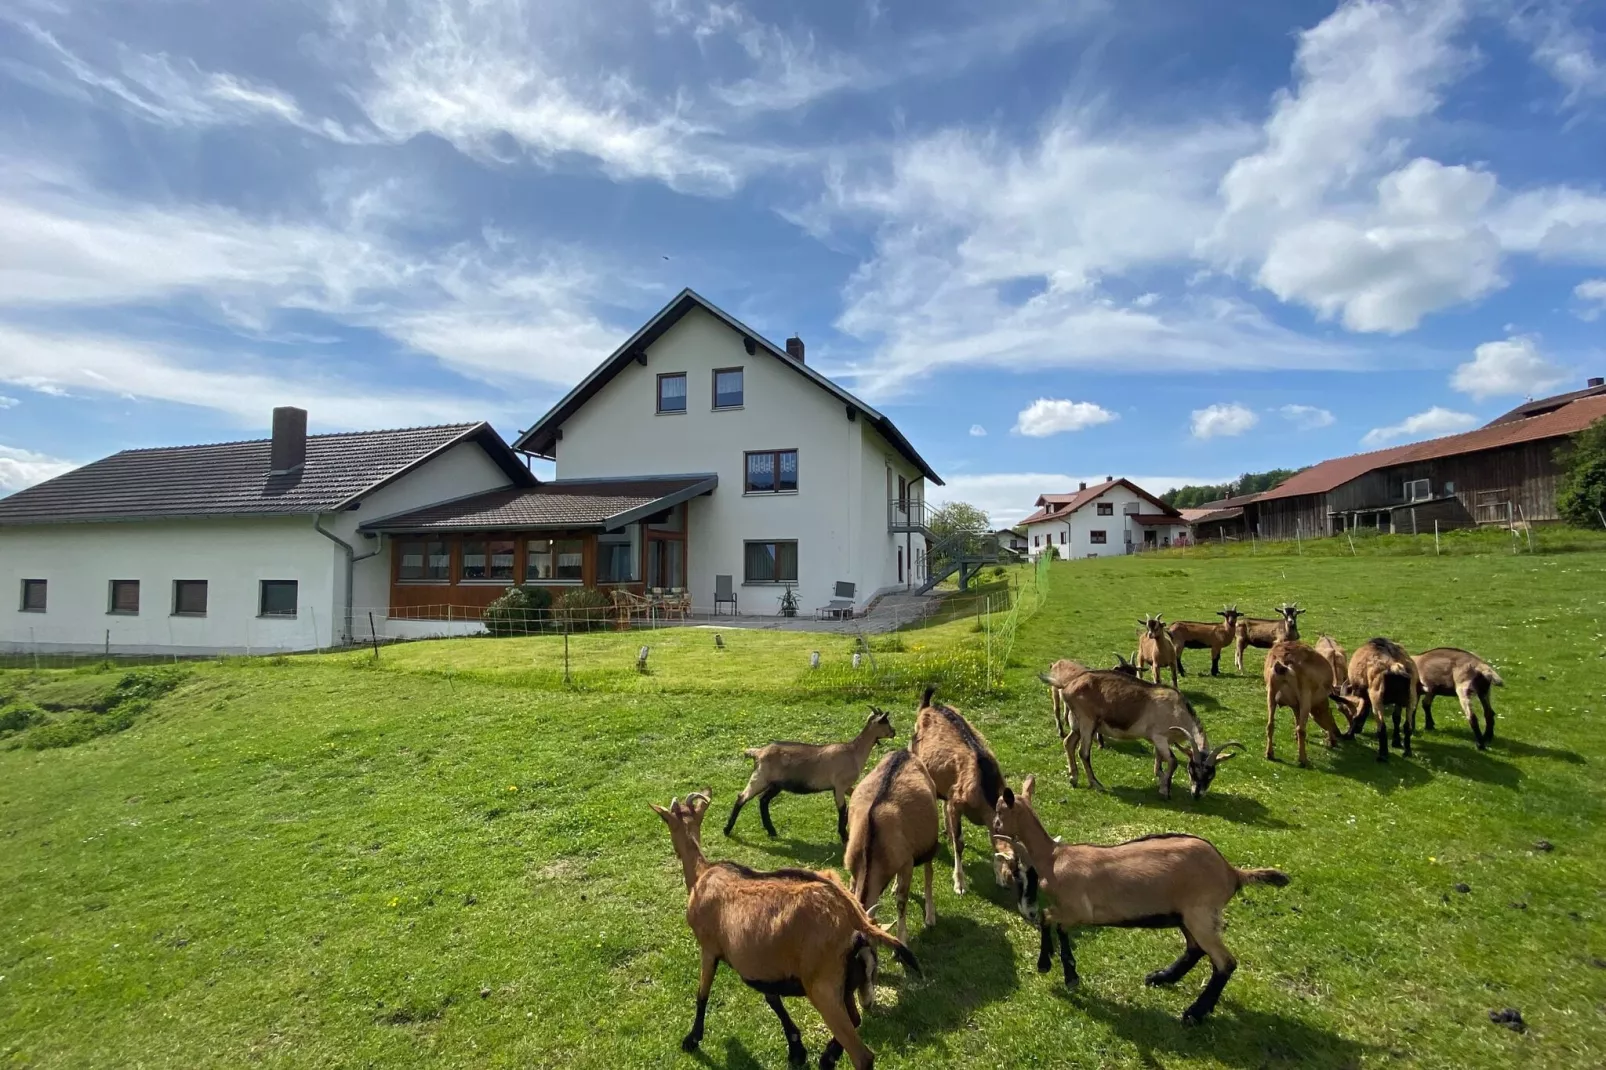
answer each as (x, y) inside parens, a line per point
(1464, 694)
(1067, 959)
(736, 808)
(1045, 950)
(956, 837)
(931, 902)
(1271, 725)
(844, 1035)
(704, 985)
(1212, 993)
(1301, 719)
(841, 815)
(796, 1053)
(1427, 713)
(764, 810)
(1191, 954)
(1488, 713)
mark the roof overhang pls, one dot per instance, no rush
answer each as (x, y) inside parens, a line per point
(504, 510)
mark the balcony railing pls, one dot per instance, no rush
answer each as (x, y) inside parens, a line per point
(908, 514)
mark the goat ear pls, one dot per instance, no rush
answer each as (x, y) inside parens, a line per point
(1008, 797)
(661, 812)
(1027, 787)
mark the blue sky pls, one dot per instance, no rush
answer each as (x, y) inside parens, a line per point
(1169, 240)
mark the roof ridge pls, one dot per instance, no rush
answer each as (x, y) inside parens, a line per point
(321, 435)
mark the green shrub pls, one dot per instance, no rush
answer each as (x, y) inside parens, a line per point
(520, 611)
(584, 609)
(16, 718)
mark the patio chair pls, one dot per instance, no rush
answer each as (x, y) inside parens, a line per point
(724, 591)
(840, 607)
(677, 604)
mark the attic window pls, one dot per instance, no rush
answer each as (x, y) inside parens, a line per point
(672, 392)
(1106, 508)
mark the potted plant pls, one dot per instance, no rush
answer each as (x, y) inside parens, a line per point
(788, 602)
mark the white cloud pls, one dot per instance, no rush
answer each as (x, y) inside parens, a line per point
(1513, 366)
(23, 468)
(1051, 416)
(8, 403)
(1592, 292)
(978, 431)
(1431, 424)
(1307, 417)
(1217, 421)
(1008, 496)
(1564, 49)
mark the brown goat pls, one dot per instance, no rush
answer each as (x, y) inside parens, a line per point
(1152, 882)
(1063, 672)
(1302, 680)
(809, 768)
(1202, 635)
(963, 771)
(1262, 633)
(791, 932)
(1328, 648)
(892, 828)
(1447, 670)
(1124, 707)
(1155, 650)
(1382, 674)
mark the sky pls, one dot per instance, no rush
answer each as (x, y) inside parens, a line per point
(1153, 238)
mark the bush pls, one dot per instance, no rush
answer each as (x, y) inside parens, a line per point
(999, 570)
(1051, 552)
(583, 609)
(520, 611)
(1581, 493)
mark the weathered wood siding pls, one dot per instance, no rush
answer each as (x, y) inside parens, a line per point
(1283, 518)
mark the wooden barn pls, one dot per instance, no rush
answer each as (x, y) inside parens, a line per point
(1504, 472)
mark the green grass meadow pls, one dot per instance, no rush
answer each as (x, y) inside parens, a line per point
(445, 857)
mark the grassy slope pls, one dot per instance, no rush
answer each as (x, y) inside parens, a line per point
(310, 863)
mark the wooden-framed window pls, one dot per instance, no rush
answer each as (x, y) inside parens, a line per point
(34, 593)
(1106, 508)
(1037, 540)
(189, 598)
(1097, 538)
(672, 392)
(502, 555)
(771, 472)
(770, 562)
(438, 561)
(410, 559)
(1062, 537)
(727, 388)
(903, 494)
(123, 598)
(475, 560)
(554, 561)
(666, 563)
(278, 598)
(616, 558)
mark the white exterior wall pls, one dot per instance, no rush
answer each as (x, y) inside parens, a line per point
(1086, 520)
(837, 515)
(878, 548)
(79, 561)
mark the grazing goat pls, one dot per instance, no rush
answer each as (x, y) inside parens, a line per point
(1155, 649)
(1328, 648)
(1262, 633)
(1122, 707)
(1447, 670)
(1154, 882)
(808, 768)
(963, 771)
(791, 932)
(1302, 680)
(1063, 672)
(892, 828)
(1202, 635)
(1382, 674)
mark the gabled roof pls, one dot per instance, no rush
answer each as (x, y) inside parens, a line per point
(1060, 506)
(1205, 514)
(560, 504)
(1321, 478)
(232, 478)
(1544, 405)
(541, 438)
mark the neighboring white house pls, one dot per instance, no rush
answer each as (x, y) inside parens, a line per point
(1113, 517)
(237, 546)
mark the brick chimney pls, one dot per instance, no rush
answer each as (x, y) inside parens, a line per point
(794, 348)
(1082, 487)
(1596, 381)
(289, 451)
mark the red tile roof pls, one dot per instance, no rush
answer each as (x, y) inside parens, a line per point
(1544, 405)
(1321, 478)
(1055, 506)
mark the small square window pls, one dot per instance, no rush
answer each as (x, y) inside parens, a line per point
(728, 388)
(672, 392)
(124, 598)
(189, 598)
(771, 472)
(771, 562)
(33, 596)
(1106, 508)
(1097, 538)
(279, 598)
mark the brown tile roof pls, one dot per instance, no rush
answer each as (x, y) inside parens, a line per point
(1204, 514)
(232, 479)
(1544, 405)
(570, 503)
(1321, 478)
(1055, 506)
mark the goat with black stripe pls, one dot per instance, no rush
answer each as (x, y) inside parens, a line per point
(892, 828)
(962, 768)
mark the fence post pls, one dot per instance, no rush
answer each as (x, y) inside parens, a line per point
(1435, 538)
(1299, 541)
(374, 633)
(108, 646)
(1351, 538)
(565, 654)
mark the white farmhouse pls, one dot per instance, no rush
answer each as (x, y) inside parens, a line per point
(1113, 517)
(698, 457)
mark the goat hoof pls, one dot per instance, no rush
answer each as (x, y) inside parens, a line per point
(1073, 983)
(797, 1055)
(1045, 964)
(690, 1042)
(1191, 1017)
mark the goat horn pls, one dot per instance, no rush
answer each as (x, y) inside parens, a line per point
(1187, 738)
(1230, 743)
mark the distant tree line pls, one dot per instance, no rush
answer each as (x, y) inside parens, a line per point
(1191, 497)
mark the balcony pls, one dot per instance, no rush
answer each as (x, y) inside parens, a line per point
(908, 514)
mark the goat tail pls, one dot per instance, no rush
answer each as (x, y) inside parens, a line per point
(925, 699)
(753, 752)
(899, 949)
(1043, 676)
(1488, 673)
(1274, 877)
(1397, 668)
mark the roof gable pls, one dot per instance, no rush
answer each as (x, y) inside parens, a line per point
(232, 478)
(541, 438)
(1060, 506)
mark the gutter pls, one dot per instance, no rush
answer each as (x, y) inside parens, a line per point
(352, 557)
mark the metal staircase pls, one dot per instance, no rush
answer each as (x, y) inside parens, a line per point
(964, 552)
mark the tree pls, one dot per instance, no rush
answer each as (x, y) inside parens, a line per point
(1192, 496)
(952, 517)
(1581, 493)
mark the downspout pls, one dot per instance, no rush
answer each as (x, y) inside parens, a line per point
(351, 561)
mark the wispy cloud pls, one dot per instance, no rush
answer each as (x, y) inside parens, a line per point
(1591, 293)
(1053, 416)
(978, 431)
(1430, 424)
(1222, 421)
(1568, 51)
(21, 468)
(1307, 417)
(1513, 366)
